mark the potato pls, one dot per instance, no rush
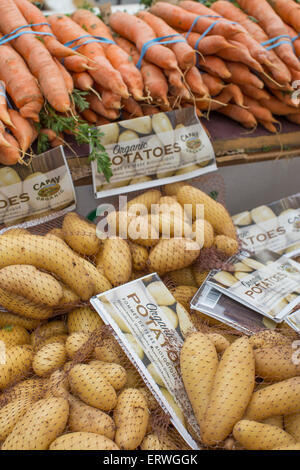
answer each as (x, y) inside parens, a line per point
(75, 342)
(31, 389)
(11, 413)
(199, 276)
(58, 385)
(85, 418)
(225, 278)
(46, 420)
(19, 305)
(185, 322)
(182, 277)
(49, 358)
(114, 373)
(262, 214)
(14, 335)
(198, 365)
(258, 436)
(220, 342)
(8, 319)
(147, 199)
(133, 378)
(117, 261)
(281, 398)
(275, 421)
(232, 389)
(143, 231)
(170, 224)
(101, 283)
(53, 339)
(154, 441)
(80, 235)
(116, 317)
(131, 417)
(141, 125)
(227, 245)
(169, 205)
(290, 447)
(69, 298)
(292, 425)
(214, 212)
(268, 339)
(151, 401)
(243, 218)
(52, 328)
(92, 387)
(169, 255)
(160, 293)
(83, 319)
(161, 124)
(139, 256)
(127, 136)
(184, 294)
(276, 363)
(203, 233)
(48, 255)
(17, 365)
(173, 188)
(109, 350)
(83, 441)
(111, 133)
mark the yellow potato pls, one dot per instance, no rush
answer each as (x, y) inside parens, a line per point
(134, 380)
(199, 276)
(8, 319)
(117, 261)
(292, 425)
(160, 293)
(276, 363)
(31, 389)
(154, 441)
(92, 387)
(184, 294)
(21, 306)
(182, 277)
(101, 283)
(131, 417)
(146, 199)
(169, 255)
(53, 339)
(173, 404)
(144, 230)
(46, 420)
(203, 232)
(155, 374)
(227, 245)
(184, 319)
(114, 373)
(75, 342)
(83, 319)
(220, 342)
(18, 360)
(11, 413)
(173, 188)
(151, 402)
(52, 328)
(80, 235)
(109, 350)
(49, 358)
(258, 436)
(14, 335)
(58, 385)
(83, 441)
(69, 298)
(139, 256)
(134, 345)
(275, 421)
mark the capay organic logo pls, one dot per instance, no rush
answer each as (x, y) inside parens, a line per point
(138, 221)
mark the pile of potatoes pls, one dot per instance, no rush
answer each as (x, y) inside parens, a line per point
(234, 407)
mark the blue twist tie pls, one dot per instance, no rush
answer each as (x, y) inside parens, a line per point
(273, 42)
(219, 18)
(3, 93)
(16, 34)
(93, 39)
(156, 41)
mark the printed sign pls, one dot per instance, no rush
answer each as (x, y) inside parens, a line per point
(154, 150)
(151, 326)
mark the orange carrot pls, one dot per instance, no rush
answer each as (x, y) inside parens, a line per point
(213, 84)
(67, 30)
(184, 53)
(34, 15)
(183, 19)
(3, 141)
(109, 99)
(289, 11)
(10, 155)
(235, 94)
(132, 107)
(232, 93)
(240, 53)
(176, 85)
(4, 116)
(240, 75)
(102, 121)
(254, 92)
(273, 26)
(49, 133)
(241, 115)
(139, 33)
(66, 76)
(119, 59)
(89, 116)
(277, 107)
(20, 83)
(209, 45)
(259, 111)
(37, 57)
(278, 69)
(295, 118)
(215, 66)
(296, 42)
(268, 125)
(83, 81)
(21, 130)
(77, 64)
(286, 98)
(98, 107)
(149, 110)
(194, 80)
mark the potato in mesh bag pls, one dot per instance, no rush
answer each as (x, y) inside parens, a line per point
(144, 230)
(184, 294)
(147, 199)
(23, 307)
(139, 256)
(8, 319)
(49, 358)
(75, 342)
(182, 277)
(259, 436)
(173, 254)
(203, 232)
(83, 319)
(80, 234)
(227, 245)
(83, 441)
(14, 335)
(50, 256)
(15, 365)
(117, 261)
(114, 373)
(31, 388)
(156, 441)
(42, 423)
(11, 413)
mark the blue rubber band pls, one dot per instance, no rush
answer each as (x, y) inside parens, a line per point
(3, 93)
(93, 39)
(219, 18)
(15, 34)
(156, 41)
(272, 43)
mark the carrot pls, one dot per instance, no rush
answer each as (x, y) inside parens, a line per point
(286, 98)
(295, 118)
(33, 15)
(83, 81)
(268, 125)
(98, 107)
(66, 76)
(149, 110)
(296, 42)
(215, 66)
(155, 82)
(235, 94)
(132, 107)
(259, 111)
(4, 116)
(109, 99)
(289, 11)
(20, 83)
(240, 53)
(209, 45)
(213, 84)
(277, 107)
(57, 142)
(240, 115)
(232, 93)
(240, 75)
(184, 16)
(102, 121)
(176, 85)
(254, 92)
(273, 26)
(119, 59)
(10, 155)
(37, 57)
(194, 80)
(139, 32)
(274, 64)
(89, 116)
(67, 30)
(49, 133)
(184, 53)
(21, 130)
(3, 141)
(77, 64)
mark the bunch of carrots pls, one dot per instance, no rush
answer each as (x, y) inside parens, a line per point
(70, 74)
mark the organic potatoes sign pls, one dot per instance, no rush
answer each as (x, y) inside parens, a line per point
(154, 150)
